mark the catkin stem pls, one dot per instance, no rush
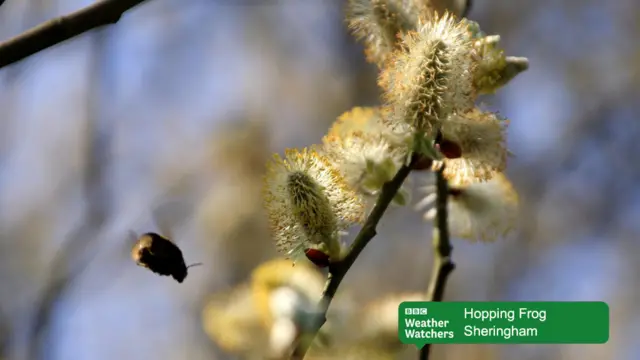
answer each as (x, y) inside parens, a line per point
(442, 264)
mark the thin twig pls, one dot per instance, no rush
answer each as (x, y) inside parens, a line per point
(63, 28)
(442, 264)
(467, 8)
(338, 270)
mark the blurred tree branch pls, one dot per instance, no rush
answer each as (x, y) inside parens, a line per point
(5, 331)
(63, 28)
(338, 270)
(71, 260)
(442, 264)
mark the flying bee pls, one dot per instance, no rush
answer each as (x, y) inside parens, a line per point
(160, 255)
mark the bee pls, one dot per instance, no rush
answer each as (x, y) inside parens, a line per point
(160, 255)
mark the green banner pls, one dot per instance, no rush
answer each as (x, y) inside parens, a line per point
(423, 323)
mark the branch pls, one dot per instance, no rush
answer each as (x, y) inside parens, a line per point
(467, 8)
(339, 269)
(63, 28)
(442, 264)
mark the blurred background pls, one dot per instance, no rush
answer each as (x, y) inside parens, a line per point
(182, 102)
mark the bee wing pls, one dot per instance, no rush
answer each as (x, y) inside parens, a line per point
(161, 218)
(170, 212)
(132, 237)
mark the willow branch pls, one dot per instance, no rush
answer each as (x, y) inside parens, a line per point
(63, 28)
(442, 264)
(338, 270)
(467, 8)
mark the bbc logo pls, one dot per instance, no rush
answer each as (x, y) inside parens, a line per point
(415, 311)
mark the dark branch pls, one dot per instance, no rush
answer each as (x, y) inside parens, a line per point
(442, 264)
(338, 270)
(467, 8)
(62, 28)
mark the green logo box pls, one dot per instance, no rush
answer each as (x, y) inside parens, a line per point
(567, 322)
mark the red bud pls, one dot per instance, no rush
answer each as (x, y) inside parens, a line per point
(317, 257)
(449, 149)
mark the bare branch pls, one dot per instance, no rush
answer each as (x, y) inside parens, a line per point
(63, 28)
(442, 264)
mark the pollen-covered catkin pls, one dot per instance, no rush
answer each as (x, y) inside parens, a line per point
(308, 203)
(482, 211)
(481, 138)
(432, 77)
(378, 23)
